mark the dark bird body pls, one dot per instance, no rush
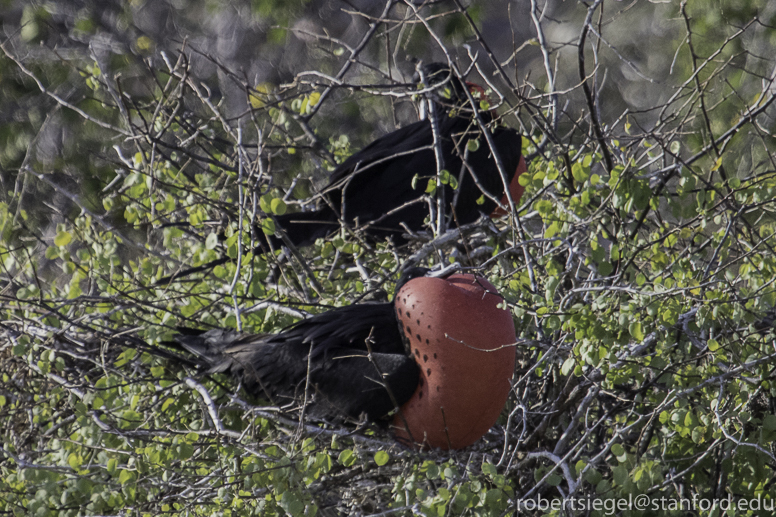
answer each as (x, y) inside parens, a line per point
(358, 364)
(373, 188)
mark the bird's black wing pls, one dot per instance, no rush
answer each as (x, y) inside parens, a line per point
(395, 145)
(377, 189)
(373, 183)
(377, 182)
(344, 379)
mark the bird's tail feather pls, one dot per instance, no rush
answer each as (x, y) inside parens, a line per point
(213, 350)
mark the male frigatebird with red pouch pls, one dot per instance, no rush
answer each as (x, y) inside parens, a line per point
(436, 362)
(374, 190)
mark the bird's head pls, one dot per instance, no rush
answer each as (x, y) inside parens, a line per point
(449, 91)
(411, 273)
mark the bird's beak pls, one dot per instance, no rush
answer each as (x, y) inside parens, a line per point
(445, 271)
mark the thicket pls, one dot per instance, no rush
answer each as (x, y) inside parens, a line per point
(639, 265)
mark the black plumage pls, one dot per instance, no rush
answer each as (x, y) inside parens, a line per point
(373, 189)
(358, 363)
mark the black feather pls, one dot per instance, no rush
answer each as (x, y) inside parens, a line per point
(374, 186)
(358, 362)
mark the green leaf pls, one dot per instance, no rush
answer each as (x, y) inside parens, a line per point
(593, 477)
(212, 241)
(347, 457)
(620, 475)
(452, 181)
(126, 476)
(63, 238)
(381, 458)
(431, 186)
(75, 461)
(493, 496)
(278, 206)
(290, 502)
(636, 331)
(268, 226)
(544, 206)
(265, 203)
(580, 172)
(568, 365)
(131, 419)
(489, 469)
(431, 469)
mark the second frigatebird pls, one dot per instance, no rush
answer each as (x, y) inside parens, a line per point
(373, 189)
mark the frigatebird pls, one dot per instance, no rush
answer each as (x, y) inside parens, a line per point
(435, 364)
(358, 363)
(381, 189)
(373, 190)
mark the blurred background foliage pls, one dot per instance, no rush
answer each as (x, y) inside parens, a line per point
(139, 139)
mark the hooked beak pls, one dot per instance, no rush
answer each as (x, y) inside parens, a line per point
(445, 271)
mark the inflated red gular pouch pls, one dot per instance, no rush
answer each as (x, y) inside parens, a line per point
(464, 344)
